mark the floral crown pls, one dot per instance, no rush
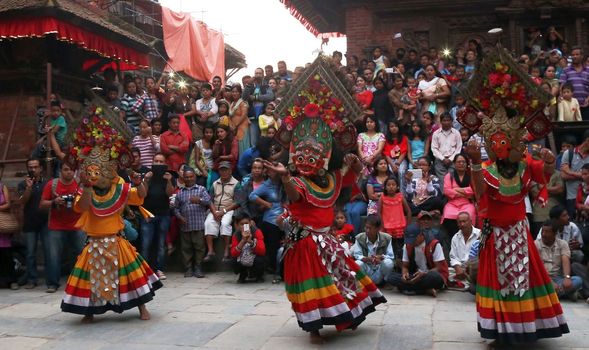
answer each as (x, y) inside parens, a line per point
(98, 141)
(499, 88)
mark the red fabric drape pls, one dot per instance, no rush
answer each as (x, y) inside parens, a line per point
(40, 26)
(192, 47)
(122, 66)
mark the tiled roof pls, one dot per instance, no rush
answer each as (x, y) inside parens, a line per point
(72, 7)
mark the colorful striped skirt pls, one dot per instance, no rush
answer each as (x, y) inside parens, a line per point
(325, 286)
(109, 275)
(515, 299)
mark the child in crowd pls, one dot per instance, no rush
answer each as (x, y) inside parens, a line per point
(156, 127)
(457, 108)
(419, 143)
(395, 149)
(464, 136)
(568, 108)
(395, 213)
(535, 75)
(202, 154)
(409, 100)
(267, 119)
(428, 123)
(271, 132)
(343, 231)
(223, 112)
(147, 143)
(57, 123)
(370, 144)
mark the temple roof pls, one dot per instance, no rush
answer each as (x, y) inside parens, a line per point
(76, 13)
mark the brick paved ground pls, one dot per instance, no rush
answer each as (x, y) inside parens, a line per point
(216, 313)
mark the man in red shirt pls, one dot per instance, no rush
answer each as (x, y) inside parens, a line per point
(58, 196)
(174, 144)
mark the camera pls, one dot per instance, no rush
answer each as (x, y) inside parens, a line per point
(31, 174)
(69, 200)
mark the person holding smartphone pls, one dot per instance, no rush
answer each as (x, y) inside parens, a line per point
(248, 249)
(425, 269)
(154, 230)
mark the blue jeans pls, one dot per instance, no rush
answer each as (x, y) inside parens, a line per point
(32, 237)
(379, 272)
(354, 212)
(577, 284)
(55, 243)
(154, 232)
(254, 131)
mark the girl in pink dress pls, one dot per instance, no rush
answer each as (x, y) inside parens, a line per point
(370, 144)
(395, 214)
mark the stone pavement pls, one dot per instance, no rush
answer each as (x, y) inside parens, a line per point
(216, 313)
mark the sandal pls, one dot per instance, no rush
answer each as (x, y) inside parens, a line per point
(209, 257)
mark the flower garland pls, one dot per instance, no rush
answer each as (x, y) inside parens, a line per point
(96, 131)
(317, 100)
(503, 85)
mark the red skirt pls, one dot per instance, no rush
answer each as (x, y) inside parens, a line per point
(317, 299)
(517, 317)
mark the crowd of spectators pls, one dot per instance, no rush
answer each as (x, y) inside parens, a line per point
(411, 219)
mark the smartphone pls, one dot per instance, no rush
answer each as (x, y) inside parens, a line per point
(31, 174)
(417, 173)
(391, 70)
(246, 228)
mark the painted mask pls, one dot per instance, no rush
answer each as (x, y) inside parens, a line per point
(500, 145)
(99, 176)
(308, 158)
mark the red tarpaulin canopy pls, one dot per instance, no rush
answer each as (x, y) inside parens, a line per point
(192, 47)
(36, 27)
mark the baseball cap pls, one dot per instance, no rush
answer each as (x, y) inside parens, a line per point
(424, 214)
(411, 233)
(225, 164)
(556, 51)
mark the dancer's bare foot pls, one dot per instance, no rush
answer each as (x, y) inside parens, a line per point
(432, 292)
(316, 338)
(143, 313)
(88, 319)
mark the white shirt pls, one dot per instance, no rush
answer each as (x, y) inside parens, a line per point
(420, 259)
(210, 106)
(460, 249)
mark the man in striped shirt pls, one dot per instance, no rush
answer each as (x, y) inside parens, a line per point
(577, 74)
(191, 207)
(132, 105)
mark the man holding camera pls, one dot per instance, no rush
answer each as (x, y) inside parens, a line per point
(35, 219)
(58, 197)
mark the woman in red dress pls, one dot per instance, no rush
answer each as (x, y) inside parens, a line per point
(515, 299)
(323, 282)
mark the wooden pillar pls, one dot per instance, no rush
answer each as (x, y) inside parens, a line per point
(48, 159)
(513, 36)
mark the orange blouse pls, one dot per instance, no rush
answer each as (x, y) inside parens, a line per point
(95, 225)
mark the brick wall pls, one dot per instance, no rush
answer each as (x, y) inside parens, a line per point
(25, 130)
(359, 29)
